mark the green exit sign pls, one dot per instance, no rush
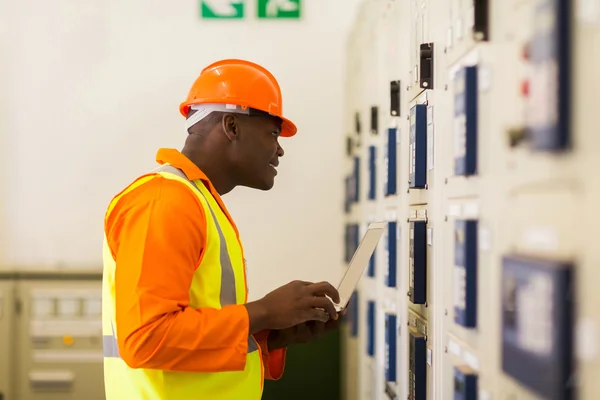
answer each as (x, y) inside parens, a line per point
(222, 9)
(279, 9)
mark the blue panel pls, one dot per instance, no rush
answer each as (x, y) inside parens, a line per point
(356, 177)
(349, 198)
(417, 367)
(353, 314)
(549, 100)
(390, 162)
(391, 247)
(371, 328)
(351, 241)
(371, 267)
(537, 325)
(417, 262)
(417, 168)
(465, 121)
(465, 385)
(391, 334)
(465, 273)
(372, 172)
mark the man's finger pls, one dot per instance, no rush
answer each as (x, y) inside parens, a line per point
(325, 304)
(317, 314)
(325, 288)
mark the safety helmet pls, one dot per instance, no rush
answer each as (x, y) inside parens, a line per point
(237, 86)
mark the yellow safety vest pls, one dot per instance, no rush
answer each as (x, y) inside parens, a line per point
(219, 281)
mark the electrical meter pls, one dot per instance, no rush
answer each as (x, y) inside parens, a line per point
(537, 324)
(465, 121)
(465, 273)
(417, 167)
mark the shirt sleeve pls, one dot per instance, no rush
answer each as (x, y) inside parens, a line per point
(273, 361)
(156, 234)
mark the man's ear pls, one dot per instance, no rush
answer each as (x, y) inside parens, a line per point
(231, 127)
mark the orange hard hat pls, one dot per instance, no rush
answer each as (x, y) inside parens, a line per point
(241, 83)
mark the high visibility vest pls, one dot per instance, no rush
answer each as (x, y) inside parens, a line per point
(218, 281)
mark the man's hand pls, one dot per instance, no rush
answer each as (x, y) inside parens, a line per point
(293, 304)
(302, 333)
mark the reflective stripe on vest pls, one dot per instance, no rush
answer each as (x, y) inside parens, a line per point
(228, 296)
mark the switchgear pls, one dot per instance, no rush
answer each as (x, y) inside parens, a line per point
(465, 383)
(549, 53)
(417, 368)
(372, 172)
(391, 334)
(390, 162)
(417, 262)
(537, 324)
(418, 147)
(465, 273)
(395, 98)
(371, 320)
(465, 121)
(391, 244)
(374, 120)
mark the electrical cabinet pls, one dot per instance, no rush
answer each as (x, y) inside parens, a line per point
(465, 383)
(390, 162)
(51, 325)
(465, 121)
(391, 243)
(418, 147)
(417, 262)
(499, 141)
(465, 273)
(537, 324)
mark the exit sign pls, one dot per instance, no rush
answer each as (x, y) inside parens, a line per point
(222, 9)
(278, 9)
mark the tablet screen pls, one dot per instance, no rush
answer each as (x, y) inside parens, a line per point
(359, 261)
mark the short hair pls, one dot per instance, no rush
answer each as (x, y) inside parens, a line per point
(207, 123)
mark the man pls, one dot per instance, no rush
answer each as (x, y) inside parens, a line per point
(176, 321)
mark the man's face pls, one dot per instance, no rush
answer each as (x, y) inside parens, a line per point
(257, 151)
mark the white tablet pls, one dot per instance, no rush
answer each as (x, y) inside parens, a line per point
(359, 262)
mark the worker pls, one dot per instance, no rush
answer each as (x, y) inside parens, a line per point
(176, 319)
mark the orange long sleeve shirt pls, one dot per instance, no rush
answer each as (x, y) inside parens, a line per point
(156, 233)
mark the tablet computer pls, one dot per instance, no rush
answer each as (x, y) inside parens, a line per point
(359, 262)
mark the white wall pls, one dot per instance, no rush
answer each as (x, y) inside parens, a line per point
(93, 89)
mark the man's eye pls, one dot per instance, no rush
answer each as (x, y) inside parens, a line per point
(276, 134)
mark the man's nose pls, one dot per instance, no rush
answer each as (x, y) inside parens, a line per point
(280, 151)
